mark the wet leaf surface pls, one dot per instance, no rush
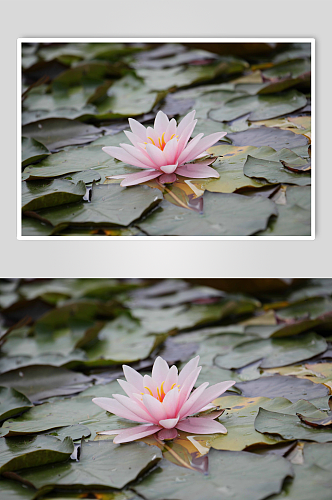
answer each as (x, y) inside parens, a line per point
(39, 195)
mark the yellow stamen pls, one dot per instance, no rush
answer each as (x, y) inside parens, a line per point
(162, 392)
(172, 136)
(158, 394)
(151, 140)
(148, 390)
(160, 143)
(173, 385)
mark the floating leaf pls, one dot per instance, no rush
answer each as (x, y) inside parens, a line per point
(12, 402)
(19, 453)
(37, 195)
(110, 205)
(224, 214)
(274, 172)
(32, 151)
(260, 477)
(274, 352)
(99, 466)
(260, 107)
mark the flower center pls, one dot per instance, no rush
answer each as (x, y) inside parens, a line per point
(161, 393)
(161, 141)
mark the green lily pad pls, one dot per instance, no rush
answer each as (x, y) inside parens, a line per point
(57, 133)
(60, 413)
(13, 490)
(239, 419)
(110, 205)
(121, 341)
(32, 151)
(260, 107)
(34, 227)
(70, 360)
(22, 453)
(309, 482)
(41, 382)
(268, 136)
(260, 477)
(12, 402)
(224, 215)
(101, 464)
(44, 194)
(318, 454)
(291, 388)
(274, 352)
(274, 172)
(289, 426)
(66, 162)
(294, 218)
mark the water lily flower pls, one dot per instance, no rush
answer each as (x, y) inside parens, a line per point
(164, 152)
(164, 402)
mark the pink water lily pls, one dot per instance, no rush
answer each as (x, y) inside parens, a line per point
(164, 402)
(164, 151)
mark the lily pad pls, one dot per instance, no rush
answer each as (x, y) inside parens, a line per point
(308, 482)
(260, 107)
(274, 172)
(268, 136)
(275, 386)
(32, 151)
(99, 466)
(40, 382)
(22, 453)
(289, 426)
(44, 194)
(110, 205)
(260, 477)
(57, 133)
(13, 490)
(224, 215)
(274, 352)
(12, 402)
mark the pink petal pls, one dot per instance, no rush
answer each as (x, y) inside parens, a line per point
(165, 434)
(117, 408)
(161, 123)
(188, 149)
(210, 394)
(128, 388)
(138, 154)
(122, 155)
(188, 368)
(186, 408)
(171, 130)
(172, 378)
(169, 423)
(160, 370)
(156, 155)
(170, 150)
(151, 134)
(170, 402)
(134, 139)
(196, 171)
(168, 169)
(184, 138)
(185, 122)
(133, 377)
(154, 407)
(132, 406)
(197, 425)
(167, 178)
(151, 384)
(187, 385)
(132, 179)
(204, 144)
(134, 433)
(138, 129)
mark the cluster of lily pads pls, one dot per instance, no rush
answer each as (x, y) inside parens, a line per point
(63, 342)
(77, 98)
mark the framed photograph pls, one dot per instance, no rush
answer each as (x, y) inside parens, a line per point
(166, 138)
